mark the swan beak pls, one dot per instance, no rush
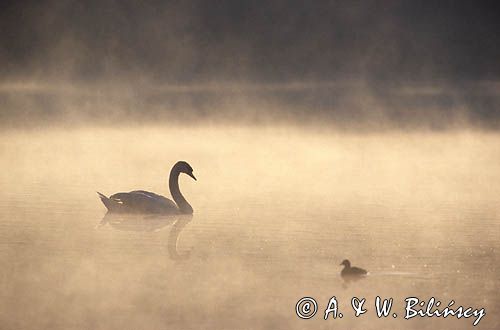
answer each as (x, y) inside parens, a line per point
(192, 175)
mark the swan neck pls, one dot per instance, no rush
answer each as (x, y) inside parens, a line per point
(179, 199)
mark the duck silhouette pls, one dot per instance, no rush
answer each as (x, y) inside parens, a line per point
(145, 202)
(351, 273)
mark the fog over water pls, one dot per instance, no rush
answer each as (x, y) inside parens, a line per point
(352, 105)
(394, 64)
(276, 210)
(317, 131)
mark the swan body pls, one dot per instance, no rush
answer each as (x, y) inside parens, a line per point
(351, 272)
(145, 202)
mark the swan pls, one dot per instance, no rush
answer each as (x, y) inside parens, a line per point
(351, 272)
(140, 201)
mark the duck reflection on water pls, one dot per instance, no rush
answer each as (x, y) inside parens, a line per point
(152, 223)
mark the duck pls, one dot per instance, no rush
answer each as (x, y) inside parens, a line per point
(351, 272)
(145, 202)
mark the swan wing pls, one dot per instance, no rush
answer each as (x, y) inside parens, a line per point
(149, 194)
(157, 197)
(140, 201)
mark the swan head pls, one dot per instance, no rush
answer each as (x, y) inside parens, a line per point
(184, 167)
(346, 263)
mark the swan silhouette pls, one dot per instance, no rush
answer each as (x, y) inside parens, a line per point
(145, 202)
(351, 272)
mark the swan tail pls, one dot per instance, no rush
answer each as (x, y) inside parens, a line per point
(102, 196)
(106, 201)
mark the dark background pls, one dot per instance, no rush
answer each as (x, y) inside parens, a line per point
(417, 62)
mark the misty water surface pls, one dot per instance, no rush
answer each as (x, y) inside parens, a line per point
(276, 210)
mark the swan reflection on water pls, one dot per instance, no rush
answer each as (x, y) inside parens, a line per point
(152, 223)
